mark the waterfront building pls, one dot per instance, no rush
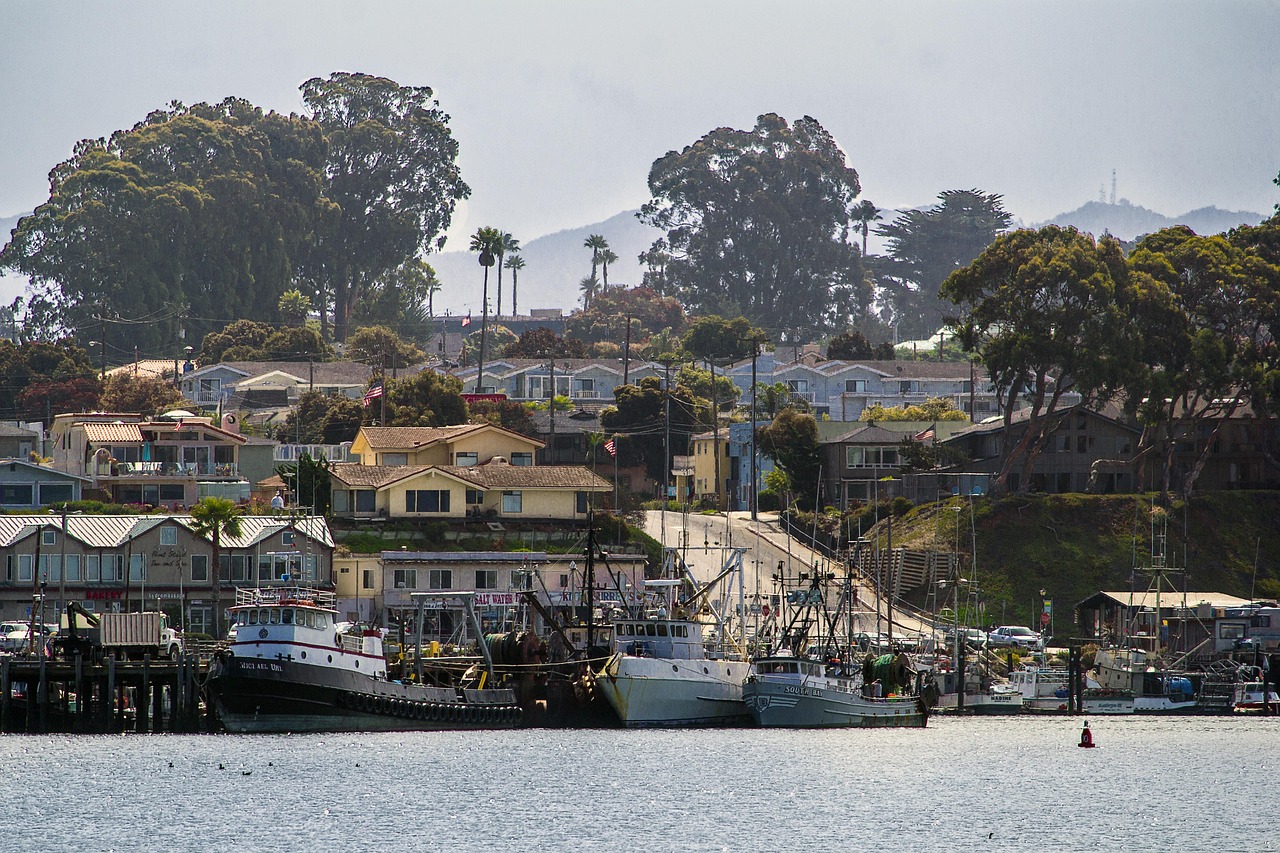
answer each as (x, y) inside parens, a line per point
(149, 562)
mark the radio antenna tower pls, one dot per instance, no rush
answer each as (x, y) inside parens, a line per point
(1113, 186)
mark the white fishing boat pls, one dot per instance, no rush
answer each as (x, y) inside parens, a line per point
(1154, 691)
(665, 671)
(293, 667)
(660, 674)
(1249, 699)
(1043, 689)
(992, 697)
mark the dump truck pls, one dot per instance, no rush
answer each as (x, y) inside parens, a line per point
(124, 636)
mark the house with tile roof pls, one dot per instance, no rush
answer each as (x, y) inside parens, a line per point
(170, 461)
(145, 562)
(461, 471)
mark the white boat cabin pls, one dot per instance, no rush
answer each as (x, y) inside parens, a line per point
(659, 638)
(300, 625)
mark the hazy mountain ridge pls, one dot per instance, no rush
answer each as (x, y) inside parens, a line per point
(1129, 221)
(554, 266)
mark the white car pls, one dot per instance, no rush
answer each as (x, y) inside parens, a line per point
(1014, 635)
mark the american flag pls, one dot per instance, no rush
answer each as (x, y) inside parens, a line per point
(612, 447)
(466, 321)
(928, 435)
(372, 394)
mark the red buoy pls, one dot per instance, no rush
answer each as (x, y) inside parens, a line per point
(1086, 737)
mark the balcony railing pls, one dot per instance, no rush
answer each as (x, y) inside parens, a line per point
(163, 469)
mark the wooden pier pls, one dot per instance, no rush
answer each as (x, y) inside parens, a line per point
(39, 695)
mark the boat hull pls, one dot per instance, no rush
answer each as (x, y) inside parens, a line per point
(255, 695)
(984, 704)
(788, 705)
(659, 692)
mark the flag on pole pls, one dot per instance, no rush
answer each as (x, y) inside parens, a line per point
(466, 321)
(612, 447)
(372, 394)
(930, 434)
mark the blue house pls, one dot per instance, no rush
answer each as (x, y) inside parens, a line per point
(25, 485)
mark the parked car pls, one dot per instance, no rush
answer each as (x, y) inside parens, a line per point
(1015, 636)
(15, 636)
(974, 638)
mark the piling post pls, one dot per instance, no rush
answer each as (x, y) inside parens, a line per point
(4, 694)
(113, 709)
(42, 699)
(157, 705)
(960, 662)
(142, 700)
(78, 722)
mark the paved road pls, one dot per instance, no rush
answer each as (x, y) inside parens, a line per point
(705, 541)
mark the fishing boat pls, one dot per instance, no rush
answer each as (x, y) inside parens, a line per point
(823, 686)
(1044, 689)
(293, 667)
(1154, 690)
(981, 695)
(1255, 697)
(665, 669)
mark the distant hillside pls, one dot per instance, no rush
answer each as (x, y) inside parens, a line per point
(1128, 221)
(554, 265)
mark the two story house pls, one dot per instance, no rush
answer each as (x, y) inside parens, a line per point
(465, 471)
(582, 380)
(273, 384)
(145, 562)
(173, 460)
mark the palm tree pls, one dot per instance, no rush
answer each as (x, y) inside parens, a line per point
(588, 286)
(213, 518)
(515, 263)
(486, 242)
(865, 213)
(597, 244)
(506, 243)
(606, 257)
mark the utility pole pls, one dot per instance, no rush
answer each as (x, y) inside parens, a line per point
(754, 491)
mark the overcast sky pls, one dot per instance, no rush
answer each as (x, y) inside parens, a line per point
(561, 107)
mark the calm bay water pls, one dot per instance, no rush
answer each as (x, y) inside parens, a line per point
(1193, 783)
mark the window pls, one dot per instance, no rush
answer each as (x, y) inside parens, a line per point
(855, 386)
(522, 458)
(1231, 630)
(199, 568)
(475, 497)
(366, 500)
(907, 386)
(466, 460)
(51, 567)
(441, 579)
(138, 567)
(73, 567)
(426, 500)
(405, 578)
(15, 494)
(54, 493)
(49, 537)
(564, 581)
(168, 536)
(866, 457)
(25, 562)
(798, 385)
(486, 578)
(287, 537)
(581, 502)
(512, 501)
(112, 568)
(93, 568)
(395, 459)
(366, 579)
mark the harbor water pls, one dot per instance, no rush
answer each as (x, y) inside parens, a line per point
(1184, 783)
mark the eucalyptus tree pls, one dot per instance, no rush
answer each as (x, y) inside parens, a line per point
(757, 224)
(391, 176)
(1203, 341)
(1048, 312)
